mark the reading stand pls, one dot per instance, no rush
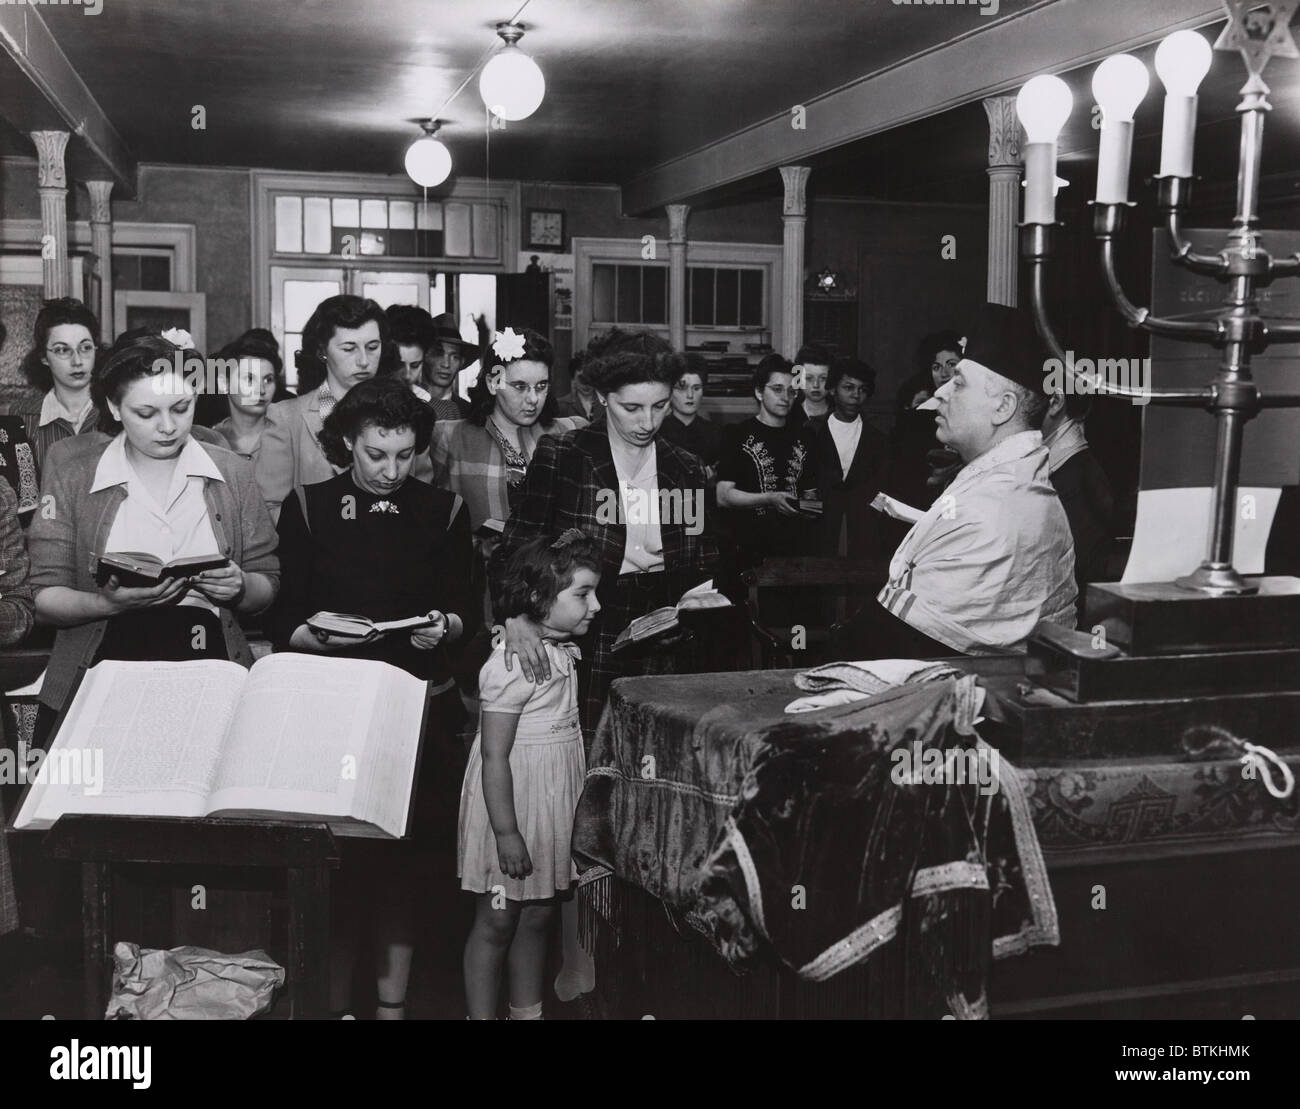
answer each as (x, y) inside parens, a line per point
(306, 851)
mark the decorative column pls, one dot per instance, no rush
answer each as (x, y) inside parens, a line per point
(677, 215)
(52, 180)
(1004, 199)
(101, 242)
(794, 218)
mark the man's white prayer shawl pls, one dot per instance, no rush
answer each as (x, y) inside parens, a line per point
(991, 557)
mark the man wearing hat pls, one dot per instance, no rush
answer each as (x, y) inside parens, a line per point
(444, 359)
(993, 555)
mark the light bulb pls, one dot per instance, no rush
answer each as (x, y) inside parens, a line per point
(1119, 85)
(511, 84)
(428, 162)
(1182, 61)
(1043, 107)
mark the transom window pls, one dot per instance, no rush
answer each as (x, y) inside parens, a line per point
(378, 227)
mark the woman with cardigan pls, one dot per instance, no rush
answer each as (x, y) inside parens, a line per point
(154, 488)
(576, 479)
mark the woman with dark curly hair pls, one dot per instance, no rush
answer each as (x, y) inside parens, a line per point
(372, 541)
(60, 364)
(914, 450)
(639, 496)
(346, 341)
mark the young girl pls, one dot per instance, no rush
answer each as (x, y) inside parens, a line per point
(524, 776)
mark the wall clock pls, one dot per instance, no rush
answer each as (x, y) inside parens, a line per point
(545, 229)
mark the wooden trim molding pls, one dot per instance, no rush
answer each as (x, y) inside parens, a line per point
(178, 238)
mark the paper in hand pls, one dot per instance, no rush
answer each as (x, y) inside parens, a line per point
(883, 502)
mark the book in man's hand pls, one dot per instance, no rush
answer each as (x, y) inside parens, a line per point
(297, 737)
(664, 620)
(346, 626)
(136, 569)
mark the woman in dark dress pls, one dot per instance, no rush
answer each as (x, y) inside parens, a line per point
(374, 542)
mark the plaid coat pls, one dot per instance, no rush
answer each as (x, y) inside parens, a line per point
(563, 489)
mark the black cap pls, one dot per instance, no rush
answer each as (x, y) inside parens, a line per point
(1005, 341)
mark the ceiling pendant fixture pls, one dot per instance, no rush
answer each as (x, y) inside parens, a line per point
(511, 84)
(428, 161)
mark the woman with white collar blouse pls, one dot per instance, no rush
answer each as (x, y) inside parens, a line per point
(155, 489)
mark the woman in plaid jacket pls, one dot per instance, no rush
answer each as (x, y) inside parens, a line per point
(639, 496)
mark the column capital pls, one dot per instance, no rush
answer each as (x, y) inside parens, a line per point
(795, 201)
(1004, 130)
(50, 171)
(677, 216)
(100, 209)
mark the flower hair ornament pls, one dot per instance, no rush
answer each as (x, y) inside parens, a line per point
(178, 337)
(508, 345)
(568, 537)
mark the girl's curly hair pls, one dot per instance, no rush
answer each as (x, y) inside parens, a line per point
(539, 571)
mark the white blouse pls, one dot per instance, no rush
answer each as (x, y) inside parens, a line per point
(176, 527)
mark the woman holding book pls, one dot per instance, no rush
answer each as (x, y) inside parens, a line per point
(147, 487)
(346, 341)
(374, 542)
(610, 481)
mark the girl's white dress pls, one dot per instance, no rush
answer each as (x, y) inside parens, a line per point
(547, 764)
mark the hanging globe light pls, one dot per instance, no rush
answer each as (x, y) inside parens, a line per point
(511, 84)
(428, 161)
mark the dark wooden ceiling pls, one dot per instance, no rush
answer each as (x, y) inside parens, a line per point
(943, 158)
(329, 84)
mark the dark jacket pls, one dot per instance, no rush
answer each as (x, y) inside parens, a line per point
(572, 475)
(846, 501)
(1089, 505)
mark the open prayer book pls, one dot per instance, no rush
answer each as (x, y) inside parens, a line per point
(136, 568)
(664, 619)
(346, 626)
(296, 737)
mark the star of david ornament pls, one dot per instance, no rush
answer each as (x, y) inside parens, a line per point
(1259, 31)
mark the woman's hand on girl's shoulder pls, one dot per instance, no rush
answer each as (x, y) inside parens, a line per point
(524, 642)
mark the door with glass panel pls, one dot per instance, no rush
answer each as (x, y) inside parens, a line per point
(295, 292)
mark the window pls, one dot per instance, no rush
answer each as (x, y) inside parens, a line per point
(379, 227)
(724, 297)
(142, 271)
(627, 295)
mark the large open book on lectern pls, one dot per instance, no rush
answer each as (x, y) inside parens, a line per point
(296, 737)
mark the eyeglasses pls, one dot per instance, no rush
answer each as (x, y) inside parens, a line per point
(63, 351)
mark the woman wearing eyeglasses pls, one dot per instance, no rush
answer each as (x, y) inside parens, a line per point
(60, 364)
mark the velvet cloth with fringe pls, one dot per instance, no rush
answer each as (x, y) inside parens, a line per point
(745, 807)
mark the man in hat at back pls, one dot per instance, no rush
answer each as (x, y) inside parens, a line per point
(446, 355)
(993, 555)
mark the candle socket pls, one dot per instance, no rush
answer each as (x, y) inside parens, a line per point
(1173, 193)
(1108, 220)
(1037, 241)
